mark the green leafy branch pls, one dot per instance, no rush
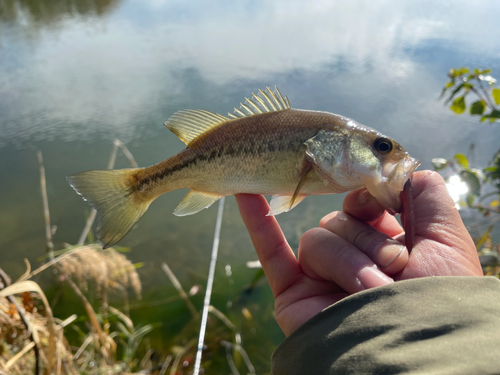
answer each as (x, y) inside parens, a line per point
(462, 82)
(475, 179)
(478, 199)
(483, 185)
(481, 84)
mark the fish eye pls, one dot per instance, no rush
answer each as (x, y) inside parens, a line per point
(383, 145)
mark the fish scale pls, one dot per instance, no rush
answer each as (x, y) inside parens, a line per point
(266, 147)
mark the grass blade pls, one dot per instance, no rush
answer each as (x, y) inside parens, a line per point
(210, 282)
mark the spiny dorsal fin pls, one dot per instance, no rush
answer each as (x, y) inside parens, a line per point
(191, 123)
(263, 102)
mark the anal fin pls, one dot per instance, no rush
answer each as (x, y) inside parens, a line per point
(195, 201)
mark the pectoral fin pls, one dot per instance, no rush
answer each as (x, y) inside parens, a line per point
(307, 167)
(194, 202)
(283, 203)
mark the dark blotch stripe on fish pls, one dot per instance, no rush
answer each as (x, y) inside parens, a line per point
(249, 147)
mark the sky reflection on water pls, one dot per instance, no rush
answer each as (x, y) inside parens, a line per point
(74, 80)
(107, 75)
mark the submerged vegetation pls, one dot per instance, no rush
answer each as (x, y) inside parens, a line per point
(33, 340)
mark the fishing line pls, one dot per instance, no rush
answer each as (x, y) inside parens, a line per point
(210, 281)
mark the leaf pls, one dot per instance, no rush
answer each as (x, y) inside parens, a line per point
(446, 87)
(470, 199)
(454, 92)
(496, 159)
(439, 163)
(468, 86)
(493, 116)
(495, 93)
(458, 105)
(479, 173)
(485, 237)
(477, 108)
(472, 182)
(490, 169)
(461, 160)
(462, 71)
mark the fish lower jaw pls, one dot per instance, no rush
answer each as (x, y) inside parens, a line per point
(389, 198)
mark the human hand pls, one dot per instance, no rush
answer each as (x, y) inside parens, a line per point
(358, 249)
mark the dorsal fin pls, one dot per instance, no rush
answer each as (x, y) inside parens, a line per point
(263, 102)
(191, 123)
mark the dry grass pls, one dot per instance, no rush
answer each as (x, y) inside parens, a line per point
(32, 340)
(111, 271)
(107, 268)
(25, 328)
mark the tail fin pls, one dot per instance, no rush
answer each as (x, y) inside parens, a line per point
(112, 194)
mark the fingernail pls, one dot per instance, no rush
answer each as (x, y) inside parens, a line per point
(364, 197)
(371, 277)
(387, 253)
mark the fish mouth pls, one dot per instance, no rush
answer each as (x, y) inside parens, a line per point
(401, 172)
(394, 176)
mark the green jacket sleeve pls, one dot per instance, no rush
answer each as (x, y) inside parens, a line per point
(433, 325)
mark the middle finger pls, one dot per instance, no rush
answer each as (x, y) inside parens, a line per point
(323, 255)
(387, 253)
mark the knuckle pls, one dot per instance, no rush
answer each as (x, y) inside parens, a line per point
(311, 239)
(275, 251)
(310, 236)
(363, 237)
(326, 220)
(334, 220)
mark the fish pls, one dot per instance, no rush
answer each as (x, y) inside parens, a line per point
(264, 147)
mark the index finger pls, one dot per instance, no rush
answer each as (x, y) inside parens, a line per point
(275, 255)
(361, 205)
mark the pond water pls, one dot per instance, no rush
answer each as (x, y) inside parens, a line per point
(76, 75)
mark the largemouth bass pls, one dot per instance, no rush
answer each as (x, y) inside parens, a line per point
(265, 147)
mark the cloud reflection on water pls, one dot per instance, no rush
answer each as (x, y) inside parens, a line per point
(105, 75)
